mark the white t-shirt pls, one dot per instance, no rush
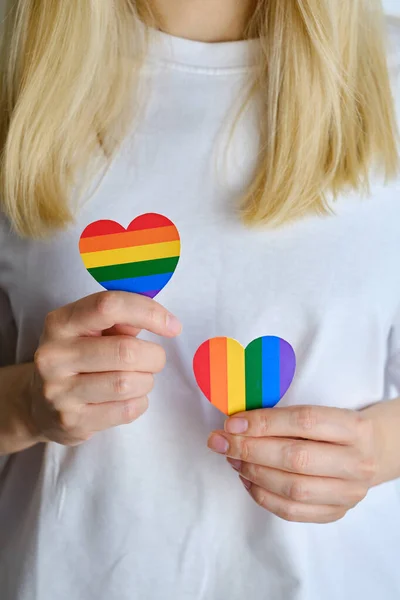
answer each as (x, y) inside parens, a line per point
(146, 511)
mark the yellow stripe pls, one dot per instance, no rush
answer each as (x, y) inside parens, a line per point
(121, 256)
(236, 378)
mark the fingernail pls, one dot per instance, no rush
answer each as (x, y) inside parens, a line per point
(173, 324)
(247, 484)
(235, 464)
(219, 444)
(236, 425)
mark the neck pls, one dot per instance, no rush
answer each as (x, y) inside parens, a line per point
(204, 20)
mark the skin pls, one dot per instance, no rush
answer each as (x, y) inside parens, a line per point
(204, 20)
(63, 395)
(312, 463)
(90, 373)
(340, 454)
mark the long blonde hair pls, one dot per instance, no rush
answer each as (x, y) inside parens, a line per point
(68, 74)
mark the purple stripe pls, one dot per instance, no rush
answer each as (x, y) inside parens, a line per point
(151, 294)
(287, 366)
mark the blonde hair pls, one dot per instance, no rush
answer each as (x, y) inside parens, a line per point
(67, 84)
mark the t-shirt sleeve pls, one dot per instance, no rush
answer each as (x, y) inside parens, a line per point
(8, 334)
(393, 367)
(8, 330)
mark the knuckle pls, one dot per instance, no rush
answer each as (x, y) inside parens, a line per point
(367, 469)
(260, 497)
(296, 458)
(288, 512)
(244, 450)
(68, 421)
(107, 303)
(50, 391)
(251, 472)
(129, 412)
(340, 515)
(364, 427)
(265, 422)
(51, 321)
(77, 437)
(43, 358)
(296, 491)
(82, 437)
(246, 470)
(126, 351)
(334, 516)
(356, 495)
(121, 384)
(305, 418)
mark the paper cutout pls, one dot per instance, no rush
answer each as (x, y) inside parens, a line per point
(140, 259)
(235, 379)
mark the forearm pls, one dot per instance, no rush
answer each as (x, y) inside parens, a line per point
(16, 431)
(386, 419)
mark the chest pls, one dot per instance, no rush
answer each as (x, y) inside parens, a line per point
(329, 286)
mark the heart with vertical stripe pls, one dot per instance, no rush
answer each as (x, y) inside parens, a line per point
(140, 259)
(235, 379)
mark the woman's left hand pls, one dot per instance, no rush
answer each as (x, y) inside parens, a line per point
(304, 463)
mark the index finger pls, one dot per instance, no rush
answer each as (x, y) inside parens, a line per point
(98, 312)
(319, 423)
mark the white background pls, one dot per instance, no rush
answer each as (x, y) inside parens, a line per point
(392, 6)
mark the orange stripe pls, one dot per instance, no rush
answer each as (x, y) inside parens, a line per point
(219, 374)
(127, 239)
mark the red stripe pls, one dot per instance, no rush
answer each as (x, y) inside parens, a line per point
(102, 228)
(106, 227)
(201, 367)
(149, 221)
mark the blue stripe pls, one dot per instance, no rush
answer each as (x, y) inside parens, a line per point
(139, 285)
(270, 371)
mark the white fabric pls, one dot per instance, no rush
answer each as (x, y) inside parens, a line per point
(392, 7)
(146, 511)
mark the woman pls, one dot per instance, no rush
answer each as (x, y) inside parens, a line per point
(266, 132)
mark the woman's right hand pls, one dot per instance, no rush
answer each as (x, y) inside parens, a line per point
(90, 370)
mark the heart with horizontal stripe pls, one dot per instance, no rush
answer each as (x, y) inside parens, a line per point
(235, 379)
(140, 259)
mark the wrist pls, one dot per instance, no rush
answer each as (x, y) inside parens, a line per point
(385, 423)
(17, 429)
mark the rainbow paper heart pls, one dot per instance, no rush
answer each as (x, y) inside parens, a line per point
(140, 259)
(235, 379)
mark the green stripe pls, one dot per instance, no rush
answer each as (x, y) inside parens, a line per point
(135, 269)
(254, 375)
